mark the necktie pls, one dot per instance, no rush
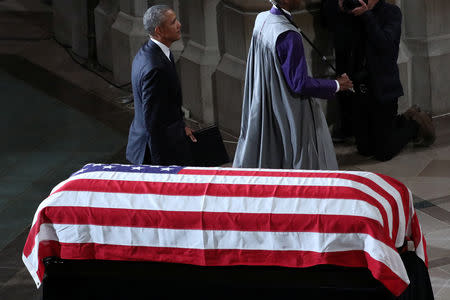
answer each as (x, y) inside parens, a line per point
(172, 59)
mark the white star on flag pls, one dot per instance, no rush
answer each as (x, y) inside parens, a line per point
(137, 168)
(166, 169)
(108, 167)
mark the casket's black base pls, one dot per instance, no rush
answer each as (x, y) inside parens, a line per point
(70, 279)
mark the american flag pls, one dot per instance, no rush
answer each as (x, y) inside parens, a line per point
(225, 217)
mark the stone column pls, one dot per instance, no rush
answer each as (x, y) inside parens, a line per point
(127, 36)
(235, 25)
(63, 20)
(105, 15)
(199, 59)
(427, 36)
(80, 34)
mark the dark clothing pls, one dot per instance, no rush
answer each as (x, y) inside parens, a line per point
(377, 128)
(370, 41)
(383, 25)
(158, 121)
(367, 50)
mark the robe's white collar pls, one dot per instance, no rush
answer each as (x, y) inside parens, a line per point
(288, 12)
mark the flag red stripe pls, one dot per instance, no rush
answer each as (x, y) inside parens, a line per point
(404, 193)
(295, 259)
(218, 190)
(221, 190)
(216, 221)
(418, 237)
(209, 221)
(210, 189)
(336, 175)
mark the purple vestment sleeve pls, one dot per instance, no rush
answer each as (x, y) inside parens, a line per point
(293, 63)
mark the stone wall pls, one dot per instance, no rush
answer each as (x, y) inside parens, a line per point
(427, 39)
(211, 57)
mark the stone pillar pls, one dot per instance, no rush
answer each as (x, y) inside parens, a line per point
(127, 37)
(63, 20)
(80, 28)
(199, 59)
(427, 36)
(405, 68)
(235, 25)
(105, 15)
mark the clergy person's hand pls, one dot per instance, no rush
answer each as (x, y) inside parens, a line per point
(364, 7)
(345, 83)
(190, 134)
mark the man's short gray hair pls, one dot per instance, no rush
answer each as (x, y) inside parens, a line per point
(154, 16)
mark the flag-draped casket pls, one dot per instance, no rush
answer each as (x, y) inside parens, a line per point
(228, 217)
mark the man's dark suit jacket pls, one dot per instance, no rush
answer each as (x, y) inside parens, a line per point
(378, 31)
(158, 125)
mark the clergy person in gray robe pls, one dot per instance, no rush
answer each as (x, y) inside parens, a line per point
(282, 126)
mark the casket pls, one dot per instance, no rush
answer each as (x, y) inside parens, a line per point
(120, 230)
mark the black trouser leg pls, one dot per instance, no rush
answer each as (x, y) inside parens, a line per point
(391, 131)
(147, 156)
(378, 130)
(362, 125)
(344, 101)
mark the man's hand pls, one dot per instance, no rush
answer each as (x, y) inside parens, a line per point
(364, 7)
(345, 83)
(341, 5)
(190, 134)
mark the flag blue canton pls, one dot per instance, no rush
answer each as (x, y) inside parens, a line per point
(128, 168)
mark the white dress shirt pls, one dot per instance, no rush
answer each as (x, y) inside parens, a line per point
(163, 47)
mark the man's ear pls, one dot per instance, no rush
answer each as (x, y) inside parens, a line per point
(157, 31)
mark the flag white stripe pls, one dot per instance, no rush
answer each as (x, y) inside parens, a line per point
(243, 180)
(32, 261)
(398, 199)
(226, 240)
(326, 206)
(32, 266)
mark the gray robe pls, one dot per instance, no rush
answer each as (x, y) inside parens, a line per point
(279, 130)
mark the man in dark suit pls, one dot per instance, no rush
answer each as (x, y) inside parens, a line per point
(367, 41)
(158, 134)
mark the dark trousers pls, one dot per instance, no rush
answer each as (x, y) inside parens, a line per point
(181, 156)
(344, 121)
(147, 157)
(378, 129)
